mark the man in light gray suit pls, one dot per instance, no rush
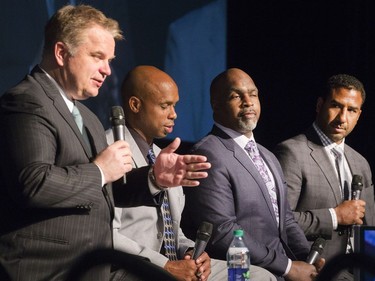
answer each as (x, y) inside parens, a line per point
(235, 195)
(321, 204)
(55, 204)
(150, 96)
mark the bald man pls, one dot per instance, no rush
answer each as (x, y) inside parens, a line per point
(149, 97)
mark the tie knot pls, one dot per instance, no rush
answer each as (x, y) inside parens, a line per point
(151, 156)
(337, 151)
(251, 146)
(76, 112)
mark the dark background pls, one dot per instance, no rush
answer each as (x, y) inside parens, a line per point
(289, 48)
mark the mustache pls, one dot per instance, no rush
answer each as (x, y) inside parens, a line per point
(246, 111)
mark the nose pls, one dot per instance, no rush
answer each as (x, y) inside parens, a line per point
(246, 101)
(105, 69)
(342, 115)
(172, 113)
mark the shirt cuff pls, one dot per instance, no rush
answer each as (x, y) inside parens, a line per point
(288, 267)
(153, 186)
(102, 175)
(334, 218)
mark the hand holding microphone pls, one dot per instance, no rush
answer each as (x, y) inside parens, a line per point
(352, 211)
(203, 235)
(118, 125)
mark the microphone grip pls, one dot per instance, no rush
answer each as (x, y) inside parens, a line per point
(356, 194)
(313, 256)
(199, 249)
(119, 134)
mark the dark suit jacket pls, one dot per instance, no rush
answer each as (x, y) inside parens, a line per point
(52, 205)
(234, 196)
(313, 187)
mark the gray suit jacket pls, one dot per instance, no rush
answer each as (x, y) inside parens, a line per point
(313, 188)
(52, 205)
(234, 196)
(140, 230)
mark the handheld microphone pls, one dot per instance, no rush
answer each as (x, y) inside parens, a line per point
(316, 250)
(203, 235)
(357, 186)
(118, 125)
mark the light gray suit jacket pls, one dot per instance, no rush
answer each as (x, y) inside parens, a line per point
(313, 188)
(140, 230)
(234, 196)
(52, 204)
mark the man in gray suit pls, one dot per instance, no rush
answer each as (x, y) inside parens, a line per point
(321, 203)
(150, 96)
(235, 195)
(55, 204)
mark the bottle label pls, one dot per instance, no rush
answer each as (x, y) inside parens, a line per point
(238, 274)
(238, 257)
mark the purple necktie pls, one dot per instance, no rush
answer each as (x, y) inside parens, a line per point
(169, 237)
(253, 152)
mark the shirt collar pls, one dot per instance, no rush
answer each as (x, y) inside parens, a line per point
(326, 141)
(239, 138)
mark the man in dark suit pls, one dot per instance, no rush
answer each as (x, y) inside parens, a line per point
(55, 203)
(235, 195)
(321, 202)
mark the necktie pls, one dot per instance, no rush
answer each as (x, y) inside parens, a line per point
(253, 152)
(169, 236)
(79, 121)
(78, 118)
(343, 176)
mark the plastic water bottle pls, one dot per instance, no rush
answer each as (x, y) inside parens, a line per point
(238, 258)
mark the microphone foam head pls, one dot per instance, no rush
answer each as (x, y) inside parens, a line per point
(357, 182)
(117, 116)
(205, 230)
(319, 245)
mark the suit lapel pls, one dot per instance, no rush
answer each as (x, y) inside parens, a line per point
(319, 155)
(138, 159)
(53, 93)
(240, 155)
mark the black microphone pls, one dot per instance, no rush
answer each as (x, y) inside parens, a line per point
(357, 186)
(118, 125)
(203, 235)
(316, 250)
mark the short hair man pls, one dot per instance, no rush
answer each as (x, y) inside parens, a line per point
(55, 203)
(321, 202)
(245, 188)
(149, 97)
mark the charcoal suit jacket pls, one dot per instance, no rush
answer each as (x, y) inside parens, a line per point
(53, 207)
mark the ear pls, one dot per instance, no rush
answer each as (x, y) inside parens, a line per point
(135, 104)
(61, 52)
(319, 104)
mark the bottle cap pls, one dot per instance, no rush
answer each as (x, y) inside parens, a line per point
(238, 233)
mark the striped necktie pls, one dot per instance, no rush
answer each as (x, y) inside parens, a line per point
(169, 236)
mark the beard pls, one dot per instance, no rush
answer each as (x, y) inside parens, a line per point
(247, 125)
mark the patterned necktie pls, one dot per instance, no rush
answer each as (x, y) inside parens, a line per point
(253, 152)
(169, 236)
(343, 176)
